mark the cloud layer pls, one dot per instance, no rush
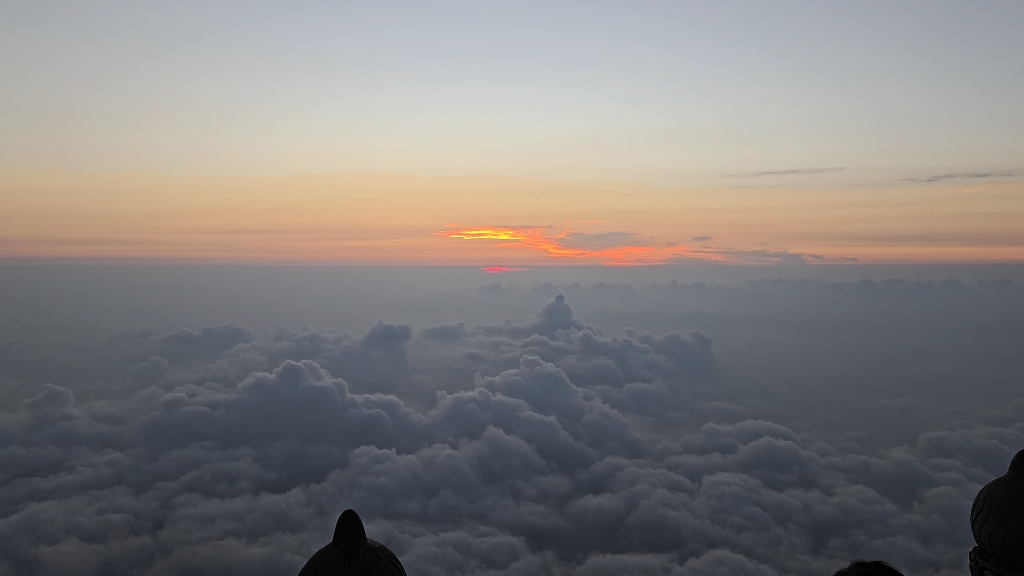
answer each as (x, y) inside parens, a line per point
(543, 447)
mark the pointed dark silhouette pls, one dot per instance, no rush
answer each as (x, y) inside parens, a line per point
(351, 553)
(997, 521)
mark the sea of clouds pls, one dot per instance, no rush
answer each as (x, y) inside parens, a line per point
(538, 447)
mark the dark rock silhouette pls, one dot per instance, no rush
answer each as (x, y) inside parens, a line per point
(869, 568)
(351, 553)
(997, 521)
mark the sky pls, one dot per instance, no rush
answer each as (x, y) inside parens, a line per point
(559, 288)
(512, 134)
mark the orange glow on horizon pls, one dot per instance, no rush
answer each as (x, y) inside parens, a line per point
(556, 245)
(500, 269)
(393, 219)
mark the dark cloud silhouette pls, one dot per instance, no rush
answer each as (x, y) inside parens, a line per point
(599, 240)
(538, 447)
(762, 256)
(702, 238)
(805, 171)
(960, 176)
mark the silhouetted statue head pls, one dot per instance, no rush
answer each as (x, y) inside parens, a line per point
(997, 522)
(349, 534)
(1016, 465)
(869, 568)
(351, 553)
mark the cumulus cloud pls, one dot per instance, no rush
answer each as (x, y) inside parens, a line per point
(547, 448)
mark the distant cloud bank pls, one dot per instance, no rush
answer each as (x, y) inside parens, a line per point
(548, 447)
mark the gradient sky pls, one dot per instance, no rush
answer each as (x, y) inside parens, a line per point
(513, 133)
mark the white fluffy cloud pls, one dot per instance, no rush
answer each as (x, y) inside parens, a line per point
(546, 449)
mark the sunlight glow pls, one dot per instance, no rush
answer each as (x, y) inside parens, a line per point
(500, 269)
(558, 244)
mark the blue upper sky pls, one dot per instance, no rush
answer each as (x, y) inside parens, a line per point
(663, 92)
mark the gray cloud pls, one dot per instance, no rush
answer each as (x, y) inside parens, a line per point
(600, 240)
(960, 176)
(545, 446)
(702, 238)
(801, 172)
